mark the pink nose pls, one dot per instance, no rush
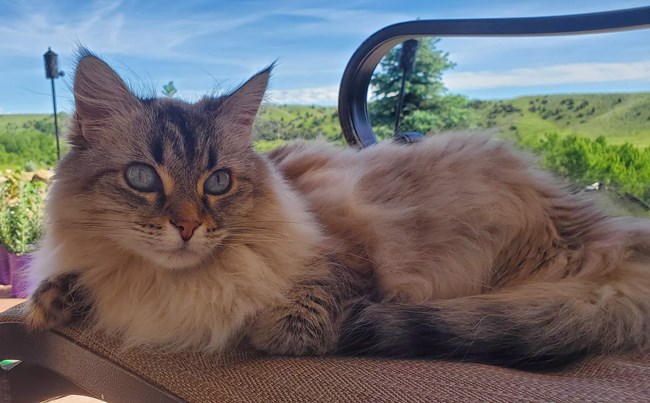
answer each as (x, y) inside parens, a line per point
(186, 228)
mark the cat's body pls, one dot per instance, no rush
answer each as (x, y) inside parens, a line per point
(454, 247)
(474, 254)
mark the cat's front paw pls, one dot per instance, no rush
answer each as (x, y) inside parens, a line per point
(57, 302)
(294, 330)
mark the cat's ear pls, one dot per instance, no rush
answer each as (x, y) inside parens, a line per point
(239, 108)
(99, 93)
(243, 103)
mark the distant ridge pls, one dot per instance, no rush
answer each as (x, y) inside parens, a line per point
(620, 118)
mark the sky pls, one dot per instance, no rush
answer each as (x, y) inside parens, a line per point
(207, 47)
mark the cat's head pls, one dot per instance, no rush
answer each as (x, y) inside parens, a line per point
(164, 179)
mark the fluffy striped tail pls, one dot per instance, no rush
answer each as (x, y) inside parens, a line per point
(536, 326)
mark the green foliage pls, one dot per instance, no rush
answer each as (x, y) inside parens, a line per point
(298, 122)
(21, 213)
(623, 167)
(19, 149)
(169, 90)
(28, 141)
(264, 146)
(427, 105)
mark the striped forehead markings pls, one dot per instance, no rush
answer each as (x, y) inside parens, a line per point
(212, 157)
(175, 130)
(180, 120)
(157, 149)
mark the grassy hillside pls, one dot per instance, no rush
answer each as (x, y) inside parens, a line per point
(27, 141)
(579, 136)
(621, 118)
(293, 121)
(16, 124)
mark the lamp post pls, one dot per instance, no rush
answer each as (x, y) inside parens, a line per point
(52, 72)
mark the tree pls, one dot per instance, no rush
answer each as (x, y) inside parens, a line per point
(169, 90)
(427, 104)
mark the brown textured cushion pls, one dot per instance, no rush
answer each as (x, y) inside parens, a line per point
(251, 376)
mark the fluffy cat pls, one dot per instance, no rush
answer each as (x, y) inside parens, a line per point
(167, 228)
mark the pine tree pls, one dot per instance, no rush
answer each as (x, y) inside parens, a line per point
(428, 106)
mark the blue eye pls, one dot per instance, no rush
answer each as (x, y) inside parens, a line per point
(217, 183)
(143, 178)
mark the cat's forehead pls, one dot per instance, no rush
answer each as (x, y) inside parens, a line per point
(182, 133)
(183, 116)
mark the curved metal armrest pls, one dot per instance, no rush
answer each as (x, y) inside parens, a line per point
(353, 105)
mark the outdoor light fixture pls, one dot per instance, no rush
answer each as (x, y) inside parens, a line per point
(52, 72)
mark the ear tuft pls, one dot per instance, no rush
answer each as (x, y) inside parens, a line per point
(98, 91)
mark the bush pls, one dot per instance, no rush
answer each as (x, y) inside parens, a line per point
(20, 147)
(21, 212)
(584, 161)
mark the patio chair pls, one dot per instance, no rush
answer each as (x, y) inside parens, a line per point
(75, 360)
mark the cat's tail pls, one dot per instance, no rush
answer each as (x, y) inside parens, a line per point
(535, 326)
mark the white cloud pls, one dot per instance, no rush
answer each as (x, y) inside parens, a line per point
(111, 29)
(103, 26)
(296, 96)
(549, 75)
(306, 96)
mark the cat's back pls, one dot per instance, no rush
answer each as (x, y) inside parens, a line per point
(454, 162)
(450, 175)
(395, 205)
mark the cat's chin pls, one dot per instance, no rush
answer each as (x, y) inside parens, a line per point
(179, 260)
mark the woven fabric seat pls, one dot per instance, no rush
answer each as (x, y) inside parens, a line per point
(98, 364)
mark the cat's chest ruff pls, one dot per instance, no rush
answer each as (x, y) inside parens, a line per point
(199, 309)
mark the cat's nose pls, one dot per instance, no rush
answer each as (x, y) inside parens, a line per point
(186, 228)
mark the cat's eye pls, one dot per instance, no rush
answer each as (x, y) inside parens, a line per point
(218, 183)
(143, 178)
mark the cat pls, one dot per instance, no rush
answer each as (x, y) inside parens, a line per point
(167, 228)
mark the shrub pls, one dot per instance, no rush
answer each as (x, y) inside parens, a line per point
(21, 213)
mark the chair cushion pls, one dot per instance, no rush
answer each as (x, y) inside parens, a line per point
(246, 375)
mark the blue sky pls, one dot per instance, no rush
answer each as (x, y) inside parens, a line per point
(210, 46)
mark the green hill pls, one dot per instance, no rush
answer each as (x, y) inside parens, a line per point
(293, 121)
(580, 136)
(27, 141)
(621, 118)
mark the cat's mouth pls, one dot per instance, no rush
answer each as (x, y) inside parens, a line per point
(177, 258)
(170, 252)
(184, 257)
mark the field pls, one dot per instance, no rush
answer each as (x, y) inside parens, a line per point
(293, 121)
(621, 118)
(585, 137)
(27, 142)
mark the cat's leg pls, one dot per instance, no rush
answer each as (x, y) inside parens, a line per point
(306, 322)
(58, 301)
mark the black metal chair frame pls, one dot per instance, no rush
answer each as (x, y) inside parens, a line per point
(353, 105)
